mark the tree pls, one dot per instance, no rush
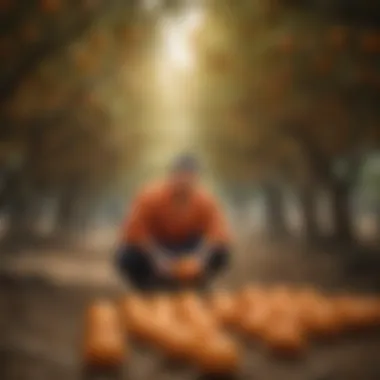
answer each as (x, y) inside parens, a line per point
(307, 84)
(42, 34)
(243, 86)
(75, 121)
(369, 185)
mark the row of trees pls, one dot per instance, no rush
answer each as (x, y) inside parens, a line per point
(293, 102)
(71, 125)
(286, 98)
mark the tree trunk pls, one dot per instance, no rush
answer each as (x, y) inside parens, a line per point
(66, 214)
(18, 222)
(308, 201)
(377, 221)
(33, 213)
(85, 215)
(275, 211)
(340, 212)
(16, 203)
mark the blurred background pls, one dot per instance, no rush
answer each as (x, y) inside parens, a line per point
(279, 99)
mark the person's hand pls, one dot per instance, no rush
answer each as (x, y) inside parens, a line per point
(188, 268)
(196, 256)
(163, 266)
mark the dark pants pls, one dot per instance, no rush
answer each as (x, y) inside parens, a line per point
(136, 266)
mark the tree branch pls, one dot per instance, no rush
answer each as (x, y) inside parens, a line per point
(26, 66)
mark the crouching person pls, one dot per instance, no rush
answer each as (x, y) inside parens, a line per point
(172, 223)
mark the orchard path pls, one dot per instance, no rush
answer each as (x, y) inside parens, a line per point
(43, 295)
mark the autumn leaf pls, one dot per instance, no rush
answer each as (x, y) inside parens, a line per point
(50, 6)
(370, 42)
(30, 32)
(323, 64)
(337, 37)
(5, 5)
(6, 47)
(286, 44)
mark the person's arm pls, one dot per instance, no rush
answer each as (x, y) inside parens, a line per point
(137, 231)
(159, 255)
(216, 229)
(205, 250)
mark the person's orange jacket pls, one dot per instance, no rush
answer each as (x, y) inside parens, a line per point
(155, 216)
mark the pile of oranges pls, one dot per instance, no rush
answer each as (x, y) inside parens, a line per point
(204, 331)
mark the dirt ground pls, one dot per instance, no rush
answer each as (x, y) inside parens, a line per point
(43, 296)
